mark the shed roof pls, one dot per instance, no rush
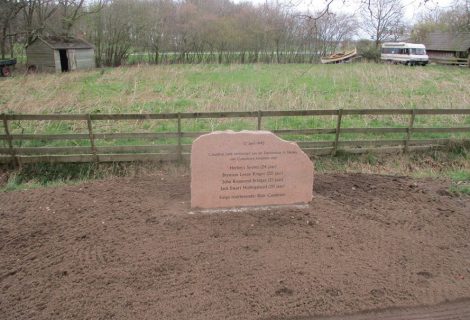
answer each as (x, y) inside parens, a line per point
(448, 41)
(56, 42)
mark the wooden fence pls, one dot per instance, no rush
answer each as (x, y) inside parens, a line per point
(450, 61)
(12, 153)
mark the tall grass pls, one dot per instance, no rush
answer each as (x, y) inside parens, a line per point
(146, 88)
(198, 88)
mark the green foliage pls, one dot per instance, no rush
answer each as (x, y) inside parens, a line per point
(460, 175)
(367, 50)
(51, 175)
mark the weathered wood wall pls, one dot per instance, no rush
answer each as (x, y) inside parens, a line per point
(85, 59)
(42, 56)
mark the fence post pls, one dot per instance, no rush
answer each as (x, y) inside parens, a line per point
(259, 119)
(338, 130)
(409, 130)
(180, 148)
(92, 139)
(14, 159)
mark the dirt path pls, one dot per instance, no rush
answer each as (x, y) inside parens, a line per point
(128, 249)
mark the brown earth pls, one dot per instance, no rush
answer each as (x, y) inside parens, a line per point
(129, 249)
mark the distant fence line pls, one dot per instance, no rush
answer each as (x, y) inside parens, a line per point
(179, 151)
(226, 57)
(450, 61)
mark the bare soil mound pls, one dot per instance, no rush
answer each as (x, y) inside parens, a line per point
(129, 249)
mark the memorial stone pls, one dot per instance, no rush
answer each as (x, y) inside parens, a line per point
(249, 168)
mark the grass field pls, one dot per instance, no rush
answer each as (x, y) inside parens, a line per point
(191, 88)
(237, 87)
(188, 88)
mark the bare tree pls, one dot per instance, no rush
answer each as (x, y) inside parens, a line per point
(332, 29)
(381, 19)
(35, 15)
(10, 9)
(70, 11)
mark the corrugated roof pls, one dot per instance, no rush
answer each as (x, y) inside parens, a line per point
(56, 42)
(448, 41)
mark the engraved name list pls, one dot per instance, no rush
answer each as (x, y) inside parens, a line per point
(230, 169)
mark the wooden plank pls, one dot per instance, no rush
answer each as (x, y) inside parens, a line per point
(416, 142)
(368, 143)
(215, 115)
(377, 111)
(9, 140)
(134, 135)
(442, 111)
(50, 150)
(455, 129)
(102, 157)
(185, 156)
(179, 149)
(92, 138)
(57, 158)
(260, 117)
(314, 144)
(130, 157)
(318, 151)
(337, 133)
(71, 136)
(304, 131)
(134, 116)
(397, 149)
(293, 113)
(372, 130)
(105, 149)
(253, 114)
(82, 136)
(143, 148)
(43, 117)
(189, 134)
(186, 148)
(409, 130)
(110, 136)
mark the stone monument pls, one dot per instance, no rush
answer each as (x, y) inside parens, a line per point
(249, 168)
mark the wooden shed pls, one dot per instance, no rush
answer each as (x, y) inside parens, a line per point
(60, 54)
(447, 44)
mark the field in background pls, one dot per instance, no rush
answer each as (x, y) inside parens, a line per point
(200, 88)
(180, 88)
(191, 88)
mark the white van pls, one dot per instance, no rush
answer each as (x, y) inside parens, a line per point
(405, 53)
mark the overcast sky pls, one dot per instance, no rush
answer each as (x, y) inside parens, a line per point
(412, 7)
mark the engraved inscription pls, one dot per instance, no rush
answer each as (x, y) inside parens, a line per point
(248, 168)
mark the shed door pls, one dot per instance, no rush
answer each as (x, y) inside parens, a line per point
(72, 59)
(64, 61)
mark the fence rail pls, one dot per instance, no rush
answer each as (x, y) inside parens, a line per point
(12, 153)
(450, 61)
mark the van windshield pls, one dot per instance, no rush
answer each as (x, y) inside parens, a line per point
(418, 51)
